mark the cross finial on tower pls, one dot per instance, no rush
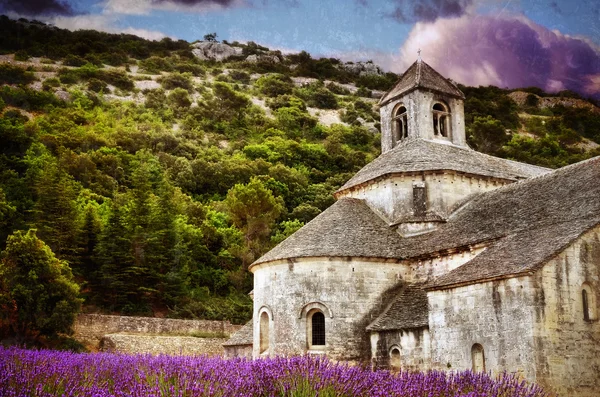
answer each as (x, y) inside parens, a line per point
(419, 55)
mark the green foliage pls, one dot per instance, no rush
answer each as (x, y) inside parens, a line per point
(210, 37)
(96, 85)
(10, 74)
(176, 80)
(273, 85)
(487, 134)
(22, 56)
(155, 65)
(50, 83)
(74, 60)
(316, 95)
(253, 209)
(28, 99)
(179, 100)
(37, 291)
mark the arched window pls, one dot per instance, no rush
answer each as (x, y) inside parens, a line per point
(478, 357)
(441, 120)
(318, 329)
(395, 360)
(400, 127)
(315, 329)
(264, 332)
(588, 302)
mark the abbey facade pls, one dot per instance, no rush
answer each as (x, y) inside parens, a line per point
(436, 256)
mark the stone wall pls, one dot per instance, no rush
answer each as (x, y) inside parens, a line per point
(392, 197)
(171, 345)
(350, 293)
(243, 351)
(90, 328)
(498, 315)
(414, 346)
(567, 345)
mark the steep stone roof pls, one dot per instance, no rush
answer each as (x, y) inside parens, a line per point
(244, 336)
(408, 309)
(525, 223)
(413, 155)
(421, 75)
(348, 228)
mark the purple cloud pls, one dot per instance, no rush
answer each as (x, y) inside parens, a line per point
(37, 7)
(506, 52)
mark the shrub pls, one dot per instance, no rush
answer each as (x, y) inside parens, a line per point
(50, 83)
(286, 101)
(316, 95)
(10, 74)
(240, 76)
(273, 85)
(96, 85)
(156, 99)
(68, 76)
(195, 70)
(21, 55)
(74, 60)
(179, 98)
(117, 78)
(28, 99)
(156, 65)
(177, 80)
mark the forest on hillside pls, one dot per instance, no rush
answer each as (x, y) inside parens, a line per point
(159, 177)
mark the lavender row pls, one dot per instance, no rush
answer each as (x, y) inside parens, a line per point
(51, 373)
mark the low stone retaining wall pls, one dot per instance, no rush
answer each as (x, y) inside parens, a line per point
(91, 328)
(171, 345)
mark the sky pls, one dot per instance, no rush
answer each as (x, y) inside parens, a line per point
(554, 45)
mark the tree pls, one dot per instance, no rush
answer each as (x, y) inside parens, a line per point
(253, 209)
(488, 134)
(37, 292)
(212, 37)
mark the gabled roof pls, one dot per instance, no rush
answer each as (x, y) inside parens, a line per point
(348, 229)
(421, 75)
(525, 224)
(413, 155)
(409, 309)
(244, 336)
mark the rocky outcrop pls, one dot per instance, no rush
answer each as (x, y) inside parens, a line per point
(206, 50)
(263, 58)
(362, 68)
(520, 97)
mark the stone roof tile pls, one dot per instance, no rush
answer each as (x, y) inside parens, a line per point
(414, 155)
(348, 229)
(421, 75)
(244, 336)
(409, 309)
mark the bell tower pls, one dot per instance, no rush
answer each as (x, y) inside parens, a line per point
(423, 104)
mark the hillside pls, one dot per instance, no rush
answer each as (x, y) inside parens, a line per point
(161, 170)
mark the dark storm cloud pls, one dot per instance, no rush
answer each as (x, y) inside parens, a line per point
(411, 11)
(508, 52)
(189, 3)
(36, 7)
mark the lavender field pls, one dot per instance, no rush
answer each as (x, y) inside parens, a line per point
(51, 373)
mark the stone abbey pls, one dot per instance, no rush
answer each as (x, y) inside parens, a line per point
(436, 256)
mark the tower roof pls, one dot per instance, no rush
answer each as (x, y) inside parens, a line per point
(415, 155)
(421, 75)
